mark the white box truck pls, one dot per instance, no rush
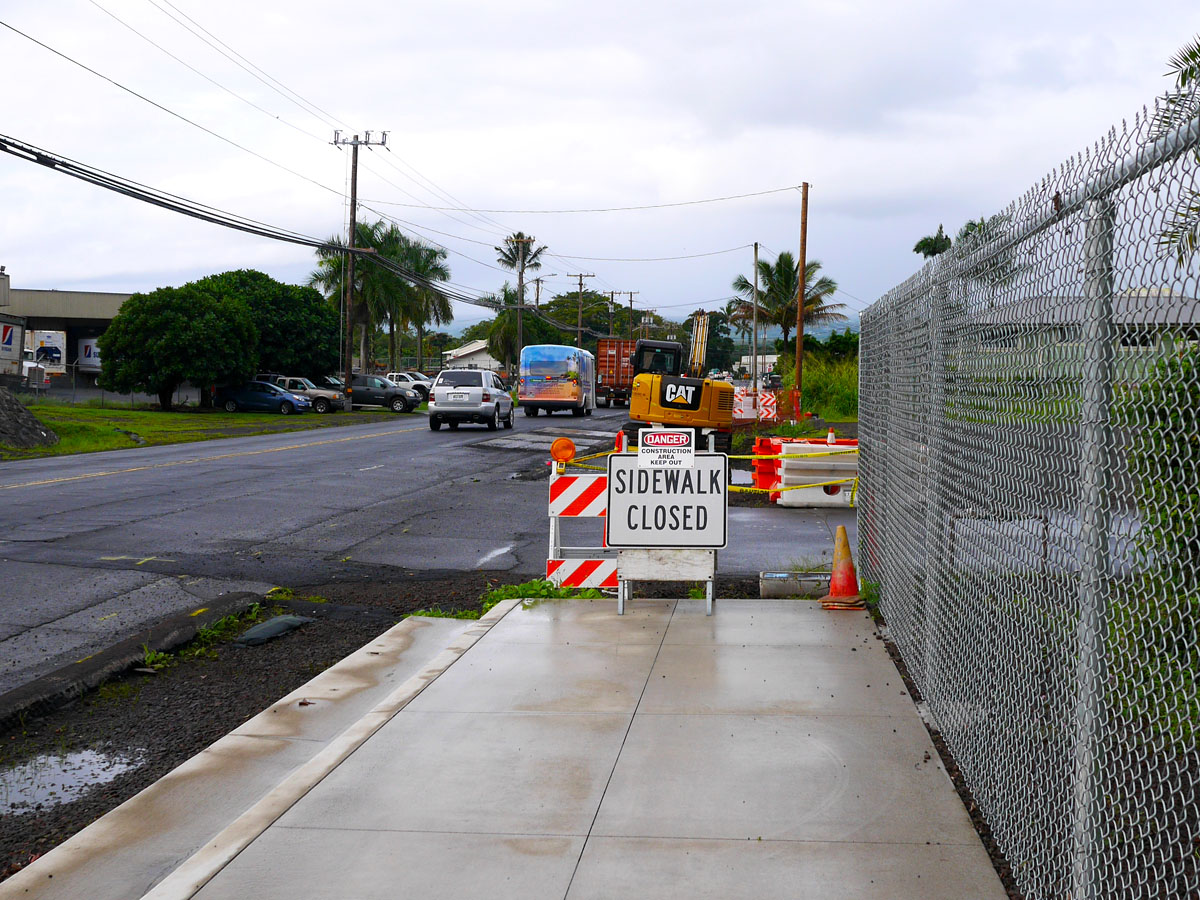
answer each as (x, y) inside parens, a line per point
(12, 345)
(88, 359)
(50, 350)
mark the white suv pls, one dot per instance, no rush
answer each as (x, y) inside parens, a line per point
(470, 395)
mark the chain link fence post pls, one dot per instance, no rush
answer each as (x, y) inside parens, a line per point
(1095, 517)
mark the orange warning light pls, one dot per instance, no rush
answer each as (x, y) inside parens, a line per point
(562, 450)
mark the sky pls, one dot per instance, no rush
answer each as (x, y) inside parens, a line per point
(900, 117)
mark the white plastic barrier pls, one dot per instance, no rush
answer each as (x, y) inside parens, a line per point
(820, 468)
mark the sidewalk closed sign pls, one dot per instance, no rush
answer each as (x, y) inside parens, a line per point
(668, 507)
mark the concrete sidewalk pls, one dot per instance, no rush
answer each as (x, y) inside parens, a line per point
(561, 751)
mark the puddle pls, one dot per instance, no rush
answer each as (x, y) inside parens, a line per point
(56, 778)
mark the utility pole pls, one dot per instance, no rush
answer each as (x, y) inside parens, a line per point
(754, 339)
(803, 264)
(612, 301)
(521, 254)
(579, 315)
(348, 316)
(631, 293)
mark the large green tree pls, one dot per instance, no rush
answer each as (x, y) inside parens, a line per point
(778, 290)
(297, 328)
(158, 341)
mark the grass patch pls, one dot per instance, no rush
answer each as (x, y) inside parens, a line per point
(538, 589)
(90, 429)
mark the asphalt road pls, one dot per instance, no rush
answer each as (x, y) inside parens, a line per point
(99, 546)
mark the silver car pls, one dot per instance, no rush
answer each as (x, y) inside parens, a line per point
(470, 395)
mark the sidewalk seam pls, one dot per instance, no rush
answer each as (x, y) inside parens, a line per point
(641, 695)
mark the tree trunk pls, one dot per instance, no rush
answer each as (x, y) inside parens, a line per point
(420, 347)
(392, 345)
(362, 350)
(206, 397)
(166, 395)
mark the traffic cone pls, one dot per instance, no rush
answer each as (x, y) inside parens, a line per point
(843, 582)
(831, 438)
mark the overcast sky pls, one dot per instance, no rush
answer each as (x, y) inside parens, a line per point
(901, 116)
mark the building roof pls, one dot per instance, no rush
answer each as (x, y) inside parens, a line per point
(465, 350)
(1159, 307)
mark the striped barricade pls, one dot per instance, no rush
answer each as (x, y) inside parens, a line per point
(582, 573)
(579, 497)
(768, 409)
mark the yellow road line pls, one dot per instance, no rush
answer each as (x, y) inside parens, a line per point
(200, 459)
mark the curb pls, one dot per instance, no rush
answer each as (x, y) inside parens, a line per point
(69, 682)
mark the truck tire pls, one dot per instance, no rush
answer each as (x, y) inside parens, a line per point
(321, 405)
(435, 423)
(398, 405)
(530, 411)
(576, 411)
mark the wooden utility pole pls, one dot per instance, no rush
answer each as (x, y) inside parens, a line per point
(801, 273)
(348, 311)
(579, 314)
(612, 301)
(521, 255)
(754, 338)
(631, 293)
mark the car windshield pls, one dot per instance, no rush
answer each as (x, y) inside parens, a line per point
(461, 379)
(303, 384)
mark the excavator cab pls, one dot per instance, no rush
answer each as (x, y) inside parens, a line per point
(663, 395)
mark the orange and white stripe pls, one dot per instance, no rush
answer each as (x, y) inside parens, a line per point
(579, 496)
(582, 573)
(767, 408)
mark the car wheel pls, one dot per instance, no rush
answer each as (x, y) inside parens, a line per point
(511, 418)
(286, 408)
(576, 411)
(530, 411)
(321, 405)
(453, 425)
(588, 411)
(230, 406)
(398, 405)
(434, 424)
(493, 421)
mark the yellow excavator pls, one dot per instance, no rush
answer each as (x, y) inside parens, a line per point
(665, 395)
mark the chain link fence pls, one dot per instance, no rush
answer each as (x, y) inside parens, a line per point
(1030, 509)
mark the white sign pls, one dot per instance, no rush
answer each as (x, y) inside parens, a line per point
(666, 449)
(673, 507)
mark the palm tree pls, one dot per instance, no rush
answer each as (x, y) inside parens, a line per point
(383, 295)
(933, 244)
(779, 287)
(1182, 237)
(502, 331)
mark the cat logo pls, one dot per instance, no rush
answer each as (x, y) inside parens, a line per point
(679, 393)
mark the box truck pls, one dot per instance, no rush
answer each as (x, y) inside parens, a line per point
(88, 360)
(614, 371)
(12, 345)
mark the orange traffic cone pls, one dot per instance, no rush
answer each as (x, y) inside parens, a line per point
(843, 582)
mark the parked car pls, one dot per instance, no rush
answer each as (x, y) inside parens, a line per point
(470, 395)
(324, 400)
(414, 380)
(328, 382)
(261, 396)
(375, 390)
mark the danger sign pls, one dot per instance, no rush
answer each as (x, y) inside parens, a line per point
(668, 507)
(666, 449)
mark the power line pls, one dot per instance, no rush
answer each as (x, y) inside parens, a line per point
(653, 258)
(215, 216)
(212, 81)
(295, 98)
(537, 212)
(169, 111)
